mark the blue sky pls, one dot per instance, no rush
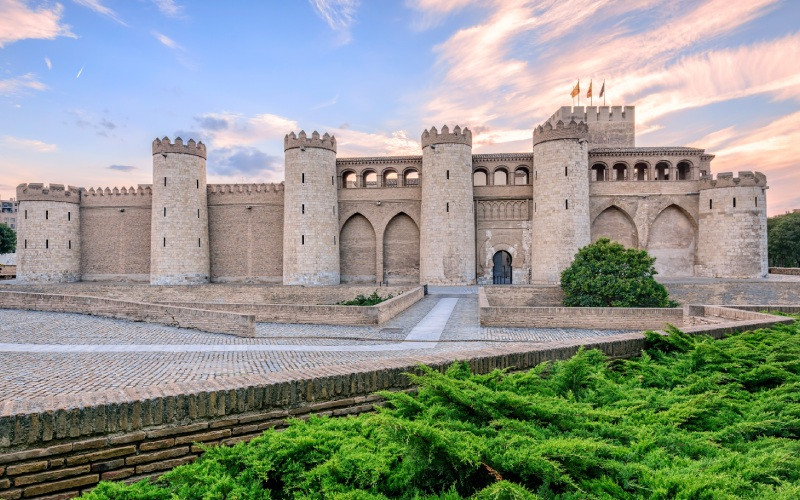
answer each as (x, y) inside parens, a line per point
(86, 85)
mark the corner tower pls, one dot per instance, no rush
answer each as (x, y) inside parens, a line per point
(48, 237)
(179, 226)
(310, 211)
(732, 239)
(447, 232)
(560, 223)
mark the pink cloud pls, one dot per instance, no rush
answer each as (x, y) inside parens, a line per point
(20, 22)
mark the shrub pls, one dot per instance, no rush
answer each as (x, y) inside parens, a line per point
(8, 239)
(606, 274)
(361, 300)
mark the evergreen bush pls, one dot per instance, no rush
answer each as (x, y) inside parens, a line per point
(361, 300)
(606, 274)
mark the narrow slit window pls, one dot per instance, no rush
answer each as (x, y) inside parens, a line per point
(534, 207)
(165, 182)
(26, 243)
(165, 211)
(198, 242)
(303, 239)
(303, 208)
(566, 204)
(198, 213)
(303, 178)
(26, 214)
(69, 244)
(566, 171)
(47, 214)
(198, 183)
(334, 240)
(448, 175)
(447, 206)
(165, 241)
(47, 243)
(710, 204)
(734, 203)
(69, 216)
(756, 200)
(332, 182)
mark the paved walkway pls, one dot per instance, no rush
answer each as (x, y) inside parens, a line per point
(50, 354)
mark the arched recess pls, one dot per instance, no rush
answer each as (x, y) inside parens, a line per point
(616, 225)
(401, 250)
(673, 241)
(357, 250)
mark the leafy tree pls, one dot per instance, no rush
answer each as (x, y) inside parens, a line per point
(606, 274)
(8, 239)
(783, 236)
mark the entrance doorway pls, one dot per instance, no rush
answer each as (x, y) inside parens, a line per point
(501, 272)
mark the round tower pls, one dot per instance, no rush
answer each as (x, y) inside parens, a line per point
(179, 229)
(48, 233)
(560, 222)
(447, 232)
(732, 237)
(310, 211)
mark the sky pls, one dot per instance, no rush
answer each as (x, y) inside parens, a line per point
(86, 85)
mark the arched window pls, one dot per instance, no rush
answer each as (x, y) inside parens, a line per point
(479, 178)
(411, 178)
(500, 177)
(350, 180)
(599, 172)
(620, 171)
(521, 176)
(370, 179)
(390, 178)
(684, 171)
(640, 171)
(662, 171)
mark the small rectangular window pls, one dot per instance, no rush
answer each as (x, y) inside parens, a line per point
(47, 243)
(69, 215)
(756, 200)
(26, 243)
(303, 178)
(303, 208)
(69, 244)
(165, 211)
(566, 171)
(534, 207)
(734, 203)
(447, 207)
(165, 182)
(566, 204)
(165, 241)
(198, 213)
(198, 183)
(334, 240)
(303, 239)
(332, 182)
(47, 214)
(26, 214)
(448, 175)
(198, 242)
(710, 204)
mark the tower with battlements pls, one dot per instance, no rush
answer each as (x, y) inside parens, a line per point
(311, 211)
(560, 219)
(179, 247)
(49, 236)
(447, 232)
(732, 229)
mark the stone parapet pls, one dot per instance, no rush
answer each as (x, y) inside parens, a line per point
(235, 194)
(36, 191)
(726, 179)
(302, 141)
(559, 131)
(118, 197)
(432, 137)
(190, 148)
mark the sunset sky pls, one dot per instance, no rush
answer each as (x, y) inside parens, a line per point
(86, 85)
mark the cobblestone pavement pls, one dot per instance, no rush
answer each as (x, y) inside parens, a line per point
(108, 354)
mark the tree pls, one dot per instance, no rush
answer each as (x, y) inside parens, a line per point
(783, 237)
(8, 239)
(606, 274)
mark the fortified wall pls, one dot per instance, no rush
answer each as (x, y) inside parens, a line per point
(446, 216)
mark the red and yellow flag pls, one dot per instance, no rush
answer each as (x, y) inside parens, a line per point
(589, 92)
(576, 90)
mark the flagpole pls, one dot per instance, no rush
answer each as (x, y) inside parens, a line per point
(604, 92)
(579, 92)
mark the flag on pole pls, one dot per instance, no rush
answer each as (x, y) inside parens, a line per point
(603, 89)
(589, 92)
(577, 90)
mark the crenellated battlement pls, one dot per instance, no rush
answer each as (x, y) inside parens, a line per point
(245, 194)
(594, 114)
(141, 196)
(560, 130)
(164, 145)
(726, 179)
(302, 141)
(142, 190)
(36, 191)
(458, 136)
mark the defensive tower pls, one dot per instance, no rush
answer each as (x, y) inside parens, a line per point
(561, 222)
(48, 238)
(733, 226)
(179, 230)
(447, 232)
(311, 211)
(609, 126)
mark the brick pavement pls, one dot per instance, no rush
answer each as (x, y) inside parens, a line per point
(113, 354)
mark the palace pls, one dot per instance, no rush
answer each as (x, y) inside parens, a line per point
(445, 217)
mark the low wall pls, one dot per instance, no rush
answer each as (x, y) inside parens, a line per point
(494, 312)
(242, 325)
(793, 271)
(522, 295)
(141, 432)
(318, 314)
(734, 292)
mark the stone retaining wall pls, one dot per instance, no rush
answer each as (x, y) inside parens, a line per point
(734, 292)
(793, 271)
(233, 323)
(142, 432)
(495, 312)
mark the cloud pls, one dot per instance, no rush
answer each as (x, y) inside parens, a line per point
(327, 103)
(433, 12)
(48, 63)
(86, 120)
(97, 6)
(355, 143)
(167, 41)
(339, 14)
(169, 8)
(30, 144)
(20, 85)
(243, 160)
(212, 123)
(80, 72)
(19, 22)
(122, 168)
(227, 130)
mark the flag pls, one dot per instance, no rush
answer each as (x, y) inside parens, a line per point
(576, 90)
(603, 89)
(589, 92)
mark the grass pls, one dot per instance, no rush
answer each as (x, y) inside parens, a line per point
(690, 418)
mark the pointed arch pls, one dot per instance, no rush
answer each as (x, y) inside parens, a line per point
(673, 242)
(617, 225)
(357, 255)
(401, 250)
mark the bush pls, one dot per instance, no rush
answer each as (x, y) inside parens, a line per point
(361, 300)
(606, 274)
(8, 239)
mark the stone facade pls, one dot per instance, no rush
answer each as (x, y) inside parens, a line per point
(440, 217)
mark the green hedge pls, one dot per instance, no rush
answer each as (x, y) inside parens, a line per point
(690, 418)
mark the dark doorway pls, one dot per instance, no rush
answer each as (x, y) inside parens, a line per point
(501, 272)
